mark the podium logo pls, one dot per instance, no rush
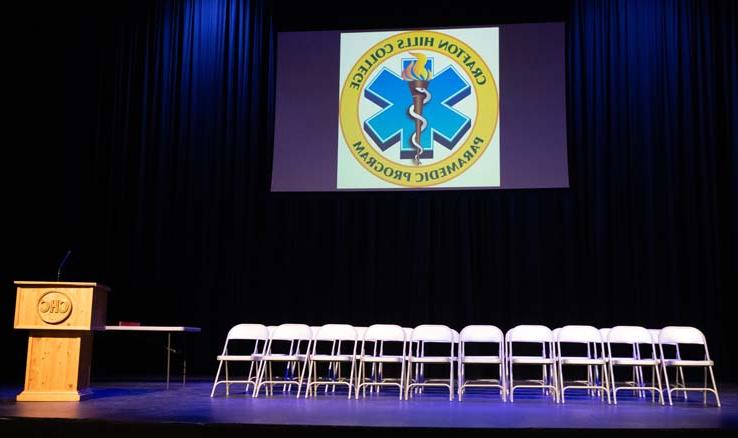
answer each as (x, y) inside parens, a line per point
(54, 307)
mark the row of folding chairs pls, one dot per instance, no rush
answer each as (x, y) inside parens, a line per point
(359, 358)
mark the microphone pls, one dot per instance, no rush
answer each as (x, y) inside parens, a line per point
(64, 260)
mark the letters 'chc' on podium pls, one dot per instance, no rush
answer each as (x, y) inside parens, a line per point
(62, 317)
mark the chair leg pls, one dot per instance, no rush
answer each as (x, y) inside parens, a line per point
(503, 381)
(309, 380)
(666, 382)
(215, 382)
(561, 383)
(553, 380)
(302, 376)
(403, 371)
(658, 380)
(261, 368)
(684, 382)
(544, 379)
(458, 379)
(605, 382)
(228, 382)
(271, 378)
(351, 378)
(371, 378)
(512, 384)
(714, 387)
(641, 382)
(614, 385)
(451, 381)
(360, 379)
(406, 379)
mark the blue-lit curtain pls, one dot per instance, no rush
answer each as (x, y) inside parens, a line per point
(653, 120)
(165, 189)
(185, 151)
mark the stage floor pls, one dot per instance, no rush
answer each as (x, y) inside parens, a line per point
(146, 402)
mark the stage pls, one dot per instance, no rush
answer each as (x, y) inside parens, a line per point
(125, 408)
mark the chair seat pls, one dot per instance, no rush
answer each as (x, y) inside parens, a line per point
(688, 363)
(481, 359)
(386, 359)
(634, 362)
(332, 357)
(432, 359)
(279, 357)
(234, 357)
(581, 361)
(531, 360)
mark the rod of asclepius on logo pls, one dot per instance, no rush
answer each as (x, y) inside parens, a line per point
(420, 109)
(417, 76)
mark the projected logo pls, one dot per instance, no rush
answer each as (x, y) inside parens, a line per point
(419, 109)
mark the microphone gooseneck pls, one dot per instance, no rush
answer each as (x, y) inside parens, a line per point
(61, 265)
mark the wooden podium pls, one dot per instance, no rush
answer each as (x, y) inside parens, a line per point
(62, 317)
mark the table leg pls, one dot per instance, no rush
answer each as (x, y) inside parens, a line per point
(184, 358)
(169, 351)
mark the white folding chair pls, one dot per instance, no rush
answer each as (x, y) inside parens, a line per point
(637, 371)
(594, 359)
(378, 335)
(674, 335)
(635, 337)
(679, 377)
(481, 334)
(532, 334)
(241, 332)
(430, 333)
(298, 335)
(339, 335)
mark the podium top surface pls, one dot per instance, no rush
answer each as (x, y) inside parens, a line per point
(60, 284)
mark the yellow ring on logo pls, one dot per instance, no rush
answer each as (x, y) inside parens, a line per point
(487, 110)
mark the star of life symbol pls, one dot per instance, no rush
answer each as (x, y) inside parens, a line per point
(396, 122)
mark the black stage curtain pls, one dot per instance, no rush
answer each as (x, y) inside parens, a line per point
(164, 193)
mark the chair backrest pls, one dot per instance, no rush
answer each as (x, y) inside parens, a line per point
(336, 332)
(654, 335)
(433, 333)
(481, 333)
(681, 335)
(360, 332)
(629, 334)
(248, 331)
(605, 333)
(384, 332)
(529, 333)
(408, 333)
(290, 332)
(583, 334)
(555, 332)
